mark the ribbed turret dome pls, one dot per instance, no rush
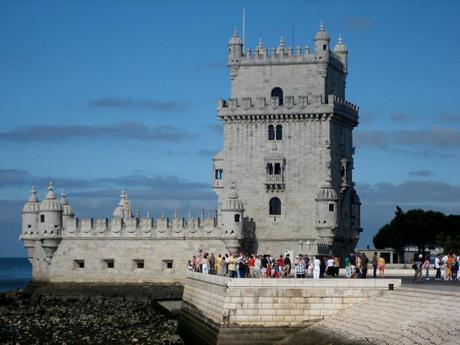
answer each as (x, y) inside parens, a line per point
(340, 46)
(66, 209)
(123, 209)
(327, 192)
(50, 203)
(32, 206)
(233, 201)
(235, 38)
(322, 34)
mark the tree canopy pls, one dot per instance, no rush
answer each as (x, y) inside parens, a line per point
(423, 229)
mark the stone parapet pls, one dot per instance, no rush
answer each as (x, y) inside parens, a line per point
(311, 106)
(141, 227)
(235, 303)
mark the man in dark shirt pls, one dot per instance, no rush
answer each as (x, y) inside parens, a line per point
(287, 266)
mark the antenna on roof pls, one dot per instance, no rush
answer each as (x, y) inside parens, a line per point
(244, 26)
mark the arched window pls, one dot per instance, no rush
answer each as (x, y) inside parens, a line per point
(275, 206)
(42, 218)
(271, 132)
(279, 132)
(278, 92)
(277, 169)
(270, 169)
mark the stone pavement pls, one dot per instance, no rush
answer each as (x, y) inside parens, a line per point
(404, 316)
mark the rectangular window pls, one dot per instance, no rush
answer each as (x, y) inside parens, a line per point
(78, 264)
(167, 264)
(218, 174)
(237, 218)
(139, 263)
(108, 263)
(331, 207)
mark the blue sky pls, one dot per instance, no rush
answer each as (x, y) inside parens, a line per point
(102, 96)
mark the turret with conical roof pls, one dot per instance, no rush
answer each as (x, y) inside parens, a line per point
(232, 220)
(30, 213)
(50, 223)
(322, 43)
(235, 53)
(341, 51)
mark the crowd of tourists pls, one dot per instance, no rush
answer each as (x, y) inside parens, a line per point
(446, 267)
(356, 266)
(267, 266)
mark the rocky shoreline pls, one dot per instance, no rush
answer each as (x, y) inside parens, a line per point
(90, 320)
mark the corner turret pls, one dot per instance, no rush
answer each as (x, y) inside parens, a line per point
(322, 44)
(29, 233)
(235, 53)
(326, 212)
(341, 51)
(50, 223)
(232, 221)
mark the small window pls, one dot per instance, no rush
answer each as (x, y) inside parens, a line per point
(279, 132)
(331, 207)
(29, 226)
(270, 169)
(275, 206)
(167, 264)
(139, 263)
(271, 132)
(218, 173)
(78, 264)
(109, 263)
(278, 92)
(277, 169)
(237, 218)
(324, 46)
(42, 218)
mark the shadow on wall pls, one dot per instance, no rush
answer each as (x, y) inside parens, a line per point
(249, 244)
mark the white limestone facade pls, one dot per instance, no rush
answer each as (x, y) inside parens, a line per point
(288, 146)
(283, 180)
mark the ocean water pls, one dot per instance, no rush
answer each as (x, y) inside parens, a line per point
(15, 273)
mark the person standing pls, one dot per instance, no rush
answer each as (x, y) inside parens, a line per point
(364, 262)
(300, 268)
(204, 264)
(444, 266)
(381, 266)
(257, 265)
(417, 266)
(287, 266)
(232, 266)
(330, 266)
(316, 268)
(251, 263)
(437, 266)
(426, 267)
(212, 264)
(336, 266)
(375, 263)
(347, 267)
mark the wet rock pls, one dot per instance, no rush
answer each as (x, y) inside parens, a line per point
(114, 320)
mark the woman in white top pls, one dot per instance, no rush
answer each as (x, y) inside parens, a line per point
(316, 267)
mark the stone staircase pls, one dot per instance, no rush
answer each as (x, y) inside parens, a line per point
(404, 317)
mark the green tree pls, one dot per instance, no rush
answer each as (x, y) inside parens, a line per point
(419, 228)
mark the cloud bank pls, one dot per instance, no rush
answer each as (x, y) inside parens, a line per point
(138, 103)
(438, 137)
(120, 131)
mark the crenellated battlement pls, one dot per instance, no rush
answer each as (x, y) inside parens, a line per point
(309, 105)
(141, 227)
(286, 56)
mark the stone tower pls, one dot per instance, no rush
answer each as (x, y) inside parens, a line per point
(288, 145)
